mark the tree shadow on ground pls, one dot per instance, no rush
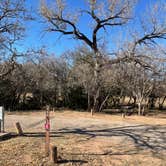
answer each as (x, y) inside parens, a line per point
(63, 161)
(140, 137)
(40, 134)
(30, 134)
(143, 137)
(11, 135)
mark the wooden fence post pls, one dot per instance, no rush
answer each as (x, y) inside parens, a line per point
(0, 125)
(47, 129)
(53, 154)
(19, 129)
(91, 112)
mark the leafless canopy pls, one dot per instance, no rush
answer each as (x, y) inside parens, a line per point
(103, 14)
(12, 13)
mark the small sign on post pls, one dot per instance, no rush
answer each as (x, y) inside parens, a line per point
(2, 127)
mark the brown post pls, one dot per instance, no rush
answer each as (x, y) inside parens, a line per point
(47, 144)
(91, 112)
(0, 125)
(47, 128)
(123, 115)
(19, 129)
(53, 154)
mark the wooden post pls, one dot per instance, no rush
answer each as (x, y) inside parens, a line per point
(2, 127)
(123, 115)
(47, 128)
(47, 143)
(91, 112)
(53, 154)
(19, 129)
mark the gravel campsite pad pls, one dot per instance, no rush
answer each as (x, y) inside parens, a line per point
(101, 140)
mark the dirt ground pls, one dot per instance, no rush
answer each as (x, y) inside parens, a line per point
(101, 140)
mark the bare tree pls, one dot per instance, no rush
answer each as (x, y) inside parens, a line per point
(109, 13)
(81, 73)
(12, 14)
(140, 83)
(103, 14)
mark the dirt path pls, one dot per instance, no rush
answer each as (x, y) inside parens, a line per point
(85, 140)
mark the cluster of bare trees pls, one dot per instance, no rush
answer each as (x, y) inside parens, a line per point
(35, 82)
(108, 14)
(68, 81)
(90, 76)
(12, 16)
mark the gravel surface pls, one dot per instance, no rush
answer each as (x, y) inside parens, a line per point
(85, 140)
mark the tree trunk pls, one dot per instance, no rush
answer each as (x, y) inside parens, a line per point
(143, 110)
(139, 108)
(152, 101)
(89, 102)
(161, 103)
(135, 99)
(129, 100)
(102, 104)
(123, 100)
(97, 84)
(96, 101)
(41, 99)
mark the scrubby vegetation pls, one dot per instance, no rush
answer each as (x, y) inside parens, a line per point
(89, 77)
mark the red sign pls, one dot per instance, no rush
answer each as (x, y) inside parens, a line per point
(47, 126)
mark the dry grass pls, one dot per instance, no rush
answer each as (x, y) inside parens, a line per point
(100, 140)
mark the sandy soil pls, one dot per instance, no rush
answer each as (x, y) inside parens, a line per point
(101, 140)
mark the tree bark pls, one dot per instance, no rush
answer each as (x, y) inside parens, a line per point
(143, 110)
(161, 103)
(102, 104)
(130, 98)
(97, 85)
(139, 108)
(89, 102)
(53, 154)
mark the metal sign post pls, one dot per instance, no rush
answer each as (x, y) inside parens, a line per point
(2, 127)
(47, 129)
